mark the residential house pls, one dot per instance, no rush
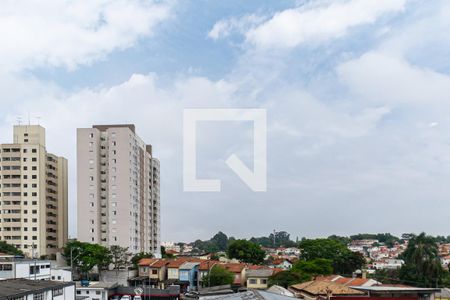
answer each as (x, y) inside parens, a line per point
(204, 268)
(21, 288)
(157, 272)
(188, 275)
(259, 278)
(238, 269)
(394, 292)
(312, 290)
(173, 269)
(95, 290)
(281, 263)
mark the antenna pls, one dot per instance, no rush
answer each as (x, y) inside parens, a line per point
(38, 118)
(19, 120)
(29, 119)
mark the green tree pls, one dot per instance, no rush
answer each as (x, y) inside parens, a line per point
(344, 261)
(314, 267)
(220, 239)
(9, 249)
(246, 251)
(86, 256)
(120, 257)
(138, 256)
(164, 254)
(218, 276)
(286, 278)
(422, 263)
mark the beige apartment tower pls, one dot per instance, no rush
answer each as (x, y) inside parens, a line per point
(118, 189)
(33, 194)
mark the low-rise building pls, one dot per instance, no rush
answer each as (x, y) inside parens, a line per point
(95, 290)
(188, 275)
(259, 278)
(17, 267)
(36, 289)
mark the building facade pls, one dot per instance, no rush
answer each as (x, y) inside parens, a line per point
(118, 189)
(33, 194)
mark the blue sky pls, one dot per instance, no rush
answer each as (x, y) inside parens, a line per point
(356, 93)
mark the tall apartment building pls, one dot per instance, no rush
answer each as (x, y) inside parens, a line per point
(118, 189)
(33, 194)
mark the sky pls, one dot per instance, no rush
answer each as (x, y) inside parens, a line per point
(357, 95)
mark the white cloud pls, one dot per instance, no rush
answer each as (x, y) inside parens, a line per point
(69, 33)
(381, 78)
(226, 27)
(309, 23)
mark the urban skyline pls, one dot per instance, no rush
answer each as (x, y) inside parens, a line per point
(357, 117)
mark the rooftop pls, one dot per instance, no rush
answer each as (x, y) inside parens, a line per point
(21, 287)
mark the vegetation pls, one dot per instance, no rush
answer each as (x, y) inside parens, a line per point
(9, 249)
(279, 239)
(286, 278)
(343, 260)
(246, 251)
(120, 257)
(422, 263)
(218, 276)
(86, 256)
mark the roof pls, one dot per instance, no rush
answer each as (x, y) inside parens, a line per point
(322, 287)
(159, 263)
(147, 261)
(249, 295)
(259, 273)
(394, 289)
(207, 264)
(276, 289)
(189, 265)
(21, 287)
(234, 267)
(97, 285)
(352, 281)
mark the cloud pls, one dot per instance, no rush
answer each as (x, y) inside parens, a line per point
(308, 23)
(225, 27)
(380, 78)
(71, 33)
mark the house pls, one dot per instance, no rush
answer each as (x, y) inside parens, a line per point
(21, 288)
(18, 267)
(204, 268)
(157, 272)
(281, 263)
(61, 274)
(95, 290)
(173, 269)
(188, 275)
(259, 278)
(238, 269)
(311, 290)
(144, 266)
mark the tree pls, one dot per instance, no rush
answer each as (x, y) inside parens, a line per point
(164, 254)
(344, 261)
(9, 249)
(246, 251)
(422, 263)
(314, 267)
(138, 256)
(86, 256)
(218, 276)
(120, 257)
(220, 239)
(286, 278)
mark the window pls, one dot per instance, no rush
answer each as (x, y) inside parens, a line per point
(154, 272)
(58, 292)
(263, 281)
(252, 281)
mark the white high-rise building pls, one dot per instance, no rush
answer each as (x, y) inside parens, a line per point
(118, 189)
(33, 194)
